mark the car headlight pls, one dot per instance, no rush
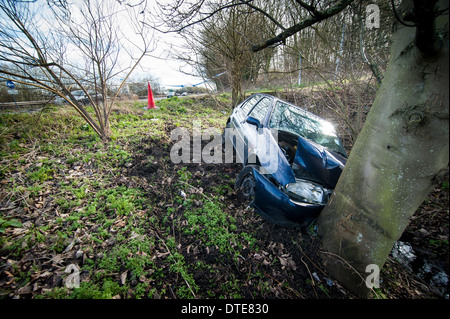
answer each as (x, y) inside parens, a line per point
(308, 192)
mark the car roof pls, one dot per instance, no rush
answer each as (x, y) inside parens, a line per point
(308, 113)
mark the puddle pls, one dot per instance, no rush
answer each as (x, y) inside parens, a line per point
(431, 272)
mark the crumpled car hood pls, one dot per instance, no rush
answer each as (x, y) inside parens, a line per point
(319, 161)
(325, 166)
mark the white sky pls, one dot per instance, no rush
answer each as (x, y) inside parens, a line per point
(160, 64)
(166, 68)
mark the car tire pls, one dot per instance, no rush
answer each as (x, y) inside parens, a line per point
(246, 184)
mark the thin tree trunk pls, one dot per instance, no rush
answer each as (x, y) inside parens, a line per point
(236, 84)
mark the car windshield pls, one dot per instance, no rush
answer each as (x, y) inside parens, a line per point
(294, 120)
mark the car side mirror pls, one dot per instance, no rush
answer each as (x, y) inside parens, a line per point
(254, 121)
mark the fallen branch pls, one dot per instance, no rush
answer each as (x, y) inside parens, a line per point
(310, 275)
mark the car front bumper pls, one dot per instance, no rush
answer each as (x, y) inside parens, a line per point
(277, 207)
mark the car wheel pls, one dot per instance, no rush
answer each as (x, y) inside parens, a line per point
(246, 184)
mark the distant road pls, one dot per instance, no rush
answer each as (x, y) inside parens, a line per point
(36, 105)
(163, 97)
(9, 105)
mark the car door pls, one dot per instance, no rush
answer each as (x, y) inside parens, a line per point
(257, 138)
(240, 113)
(237, 120)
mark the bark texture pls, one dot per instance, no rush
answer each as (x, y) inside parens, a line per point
(403, 147)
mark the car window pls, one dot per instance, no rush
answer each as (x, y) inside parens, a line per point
(294, 120)
(260, 110)
(248, 105)
(77, 93)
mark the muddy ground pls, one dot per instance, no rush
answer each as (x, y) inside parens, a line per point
(297, 250)
(423, 276)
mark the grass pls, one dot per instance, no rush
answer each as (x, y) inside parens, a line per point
(8, 223)
(137, 225)
(57, 164)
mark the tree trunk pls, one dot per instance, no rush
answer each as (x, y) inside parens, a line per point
(402, 148)
(236, 83)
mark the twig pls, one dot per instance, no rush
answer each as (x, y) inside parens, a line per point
(168, 250)
(312, 279)
(289, 288)
(350, 266)
(311, 261)
(197, 190)
(7, 208)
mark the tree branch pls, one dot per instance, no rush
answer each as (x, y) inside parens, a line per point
(316, 17)
(209, 15)
(425, 15)
(310, 8)
(264, 13)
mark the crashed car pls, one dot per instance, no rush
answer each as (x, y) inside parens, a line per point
(292, 159)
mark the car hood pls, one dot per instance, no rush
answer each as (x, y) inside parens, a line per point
(320, 164)
(319, 161)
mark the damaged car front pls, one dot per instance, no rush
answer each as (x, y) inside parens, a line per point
(292, 159)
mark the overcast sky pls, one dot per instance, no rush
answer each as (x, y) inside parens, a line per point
(166, 68)
(162, 64)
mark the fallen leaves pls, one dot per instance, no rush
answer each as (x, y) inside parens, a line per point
(60, 225)
(287, 261)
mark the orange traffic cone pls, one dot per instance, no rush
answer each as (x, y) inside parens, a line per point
(151, 102)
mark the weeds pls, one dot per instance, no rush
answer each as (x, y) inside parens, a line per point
(86, 210)
(136, 225)
(9, 223)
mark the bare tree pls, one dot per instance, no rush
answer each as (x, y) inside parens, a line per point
(74, 47)
(225, 41)
(221, 45)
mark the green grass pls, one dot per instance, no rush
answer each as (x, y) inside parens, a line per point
(58, 154)
(131, 236)
(8, 223)
(68, 197)
(207, 220)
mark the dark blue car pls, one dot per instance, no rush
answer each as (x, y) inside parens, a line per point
(292, 159)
